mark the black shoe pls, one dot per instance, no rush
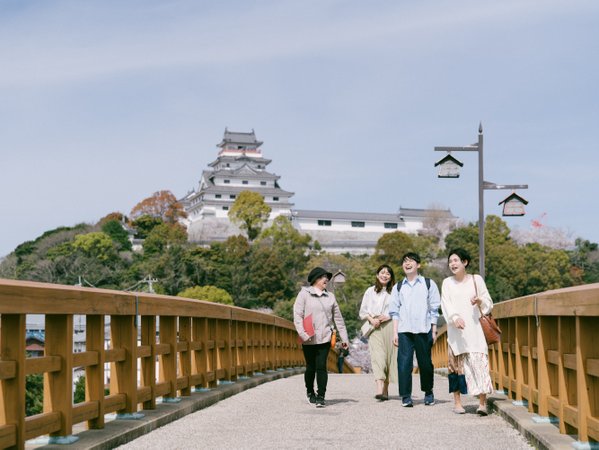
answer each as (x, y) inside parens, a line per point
(312, 398)
(320, 402)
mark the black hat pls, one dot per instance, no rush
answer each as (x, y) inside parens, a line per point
(316, 273)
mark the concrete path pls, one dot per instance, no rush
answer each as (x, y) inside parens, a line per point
(276, 415)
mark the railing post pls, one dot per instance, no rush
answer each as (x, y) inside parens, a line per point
(185, 355)
(199, 356)
(584, 337)
(168, 362)
(543, 382)
(58, 386)
(123, 374)
(12, 394)
(94, 374)
(148, 364)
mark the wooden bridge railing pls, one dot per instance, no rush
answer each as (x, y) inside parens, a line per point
(548, 356)
(157, 346)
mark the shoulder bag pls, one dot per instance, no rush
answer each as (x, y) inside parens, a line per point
(487, 322)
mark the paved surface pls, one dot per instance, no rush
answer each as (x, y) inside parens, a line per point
(275, 415)
(269, 411)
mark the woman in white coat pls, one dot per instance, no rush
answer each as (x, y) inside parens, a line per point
(461, 295)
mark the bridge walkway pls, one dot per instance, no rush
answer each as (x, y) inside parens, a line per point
(276, 415)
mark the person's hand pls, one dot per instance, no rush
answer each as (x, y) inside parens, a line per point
(434, 333)
(395, 341)
(476, 301)
(345, 345)
(459, 323)
(376, 322)
(384, 318)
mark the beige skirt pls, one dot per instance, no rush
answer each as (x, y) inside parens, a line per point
(383, 354)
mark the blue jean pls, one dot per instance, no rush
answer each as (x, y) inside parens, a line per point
(408, 344)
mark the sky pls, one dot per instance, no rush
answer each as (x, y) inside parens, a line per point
(103, 103)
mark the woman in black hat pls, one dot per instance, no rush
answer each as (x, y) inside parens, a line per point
(314, 312)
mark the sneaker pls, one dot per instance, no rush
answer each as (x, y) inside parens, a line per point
(312, 398)
(481, 411)
(407, 402)
(320, 402)
(429, 399)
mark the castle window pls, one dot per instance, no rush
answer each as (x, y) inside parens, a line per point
(225, 208)
(324, 223)
(358, 224)
(217, 195)
(275, 199)
(244, 182)
(263, 183)
(232, 196)
(227, 181)
(390, 225)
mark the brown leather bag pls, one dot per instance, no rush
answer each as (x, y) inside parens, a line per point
(487, 322)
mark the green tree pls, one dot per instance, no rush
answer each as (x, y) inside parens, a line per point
(145, 224)
(392, 246)
(163, 236)
(79, 394)
(585, 261)
(208, 293)
(117, 233)
(34, 394)
(250, 213)
(96, 245)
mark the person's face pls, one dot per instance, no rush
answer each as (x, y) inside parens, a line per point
(321, 283)
(383, 276)
(410, 266)
(456, 265)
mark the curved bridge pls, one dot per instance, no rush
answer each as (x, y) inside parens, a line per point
(166, 347)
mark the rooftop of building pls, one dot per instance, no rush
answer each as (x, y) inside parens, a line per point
(236, 137)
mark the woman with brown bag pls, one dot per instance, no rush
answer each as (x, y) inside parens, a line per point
(462, 295)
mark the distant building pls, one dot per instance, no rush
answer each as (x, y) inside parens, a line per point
(240, 166)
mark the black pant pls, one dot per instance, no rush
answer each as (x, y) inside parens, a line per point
(421, 344)
(316, 366)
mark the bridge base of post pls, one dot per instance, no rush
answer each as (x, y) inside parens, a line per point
(130, 416)
(171, 399)
(543, 419)
(225, 382)
(62, 440)
(200, 390)
(585, 445)
(520, 403)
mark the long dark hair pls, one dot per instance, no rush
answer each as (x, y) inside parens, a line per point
(378, 287)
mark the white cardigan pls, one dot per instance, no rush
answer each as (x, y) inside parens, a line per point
(455, 302)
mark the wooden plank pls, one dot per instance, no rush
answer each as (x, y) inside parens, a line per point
(8, 435)
(570, 361)
(12, 390)
(94, 373)
(144, 394)
(553, 404)
(593, 428)
(168, 360)
(85, 411)
(162, 389)
(143, 351)
(553, 357)
(570, 415)
(593, 367)
(123, 374)
(43, 364)
(184, 355)
(162, 349)
(115, 402)
(40, 424)
(58, 385)
(148, 364)
(114, 355)
(8, 369)
(84, 359)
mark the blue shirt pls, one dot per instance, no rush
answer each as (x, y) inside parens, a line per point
(415, 307)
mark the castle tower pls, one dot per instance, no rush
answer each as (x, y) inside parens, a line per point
(239, 166)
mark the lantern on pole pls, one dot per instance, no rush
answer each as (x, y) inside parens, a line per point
(449, 167)
(513, 205)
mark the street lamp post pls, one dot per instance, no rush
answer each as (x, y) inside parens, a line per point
(482, 186)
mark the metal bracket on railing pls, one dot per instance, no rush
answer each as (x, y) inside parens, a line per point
(536, 313)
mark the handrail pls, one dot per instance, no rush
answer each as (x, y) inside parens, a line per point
(548, 356)
(158, 346)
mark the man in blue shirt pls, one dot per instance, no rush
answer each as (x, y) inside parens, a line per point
(414, 308)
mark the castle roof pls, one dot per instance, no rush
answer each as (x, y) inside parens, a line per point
(235, 137)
